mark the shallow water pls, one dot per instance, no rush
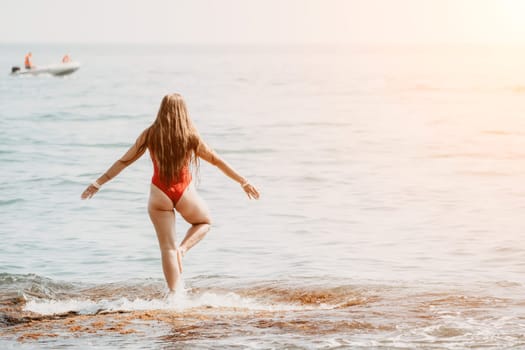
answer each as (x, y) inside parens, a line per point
(390, 214)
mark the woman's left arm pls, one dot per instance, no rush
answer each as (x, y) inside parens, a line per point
(206, 153)
(133, 153)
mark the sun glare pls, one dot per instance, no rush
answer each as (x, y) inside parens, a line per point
(512, 22)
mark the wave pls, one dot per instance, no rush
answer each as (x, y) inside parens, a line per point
(35, 294)
(458, 88)
(178, 302)
(225, 309)
(426, 87)
(500, 132)
(478, 155)
(4, 202)
(246, 151)
(94, 145)
(40, 295)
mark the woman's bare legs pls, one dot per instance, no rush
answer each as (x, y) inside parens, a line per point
(160, 208)
(194, 210)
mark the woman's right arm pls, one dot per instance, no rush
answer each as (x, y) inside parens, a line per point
(133, 153)
(205, 152)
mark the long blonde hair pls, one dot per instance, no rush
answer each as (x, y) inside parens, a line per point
(172, 139)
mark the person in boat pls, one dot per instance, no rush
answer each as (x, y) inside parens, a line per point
(66, 58)
(174, 145)
(28, 64)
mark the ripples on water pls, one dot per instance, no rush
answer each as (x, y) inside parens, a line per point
(390, 217)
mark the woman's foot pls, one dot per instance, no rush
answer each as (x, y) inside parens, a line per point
(169, 295)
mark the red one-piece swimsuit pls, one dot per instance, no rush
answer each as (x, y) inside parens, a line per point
(173, 190)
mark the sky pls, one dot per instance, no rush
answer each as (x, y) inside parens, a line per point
(264, 21)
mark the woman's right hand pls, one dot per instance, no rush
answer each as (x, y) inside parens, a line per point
(89, 192)
(250, 190)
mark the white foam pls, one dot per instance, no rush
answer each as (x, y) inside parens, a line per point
(179, 301)
(87, 307)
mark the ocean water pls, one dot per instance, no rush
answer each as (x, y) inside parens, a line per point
(391, 210)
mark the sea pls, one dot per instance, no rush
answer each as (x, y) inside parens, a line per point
(391, 213)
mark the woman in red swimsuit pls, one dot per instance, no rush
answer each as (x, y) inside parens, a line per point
(174, 145)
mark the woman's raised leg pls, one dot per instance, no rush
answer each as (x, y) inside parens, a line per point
(194, 210)
(160, 209)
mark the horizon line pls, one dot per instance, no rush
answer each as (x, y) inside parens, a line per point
(276, 44)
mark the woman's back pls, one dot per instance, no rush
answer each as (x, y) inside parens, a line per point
(172, 139)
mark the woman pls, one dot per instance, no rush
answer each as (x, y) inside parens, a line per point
(173, 143)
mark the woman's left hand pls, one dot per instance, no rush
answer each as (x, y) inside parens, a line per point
(250, 190)
(89, 192)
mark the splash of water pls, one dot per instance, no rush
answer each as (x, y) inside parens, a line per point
(179, 300)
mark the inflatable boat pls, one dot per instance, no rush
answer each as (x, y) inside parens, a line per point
(54, 69)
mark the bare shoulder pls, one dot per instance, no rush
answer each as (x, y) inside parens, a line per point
(144, 133)
(141, 140)
(202, 146)
(205, 152)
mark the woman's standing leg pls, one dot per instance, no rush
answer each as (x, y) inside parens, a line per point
(160, 209)
(194, 210)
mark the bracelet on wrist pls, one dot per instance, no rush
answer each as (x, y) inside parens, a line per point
(96, 185)
(244, 184)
